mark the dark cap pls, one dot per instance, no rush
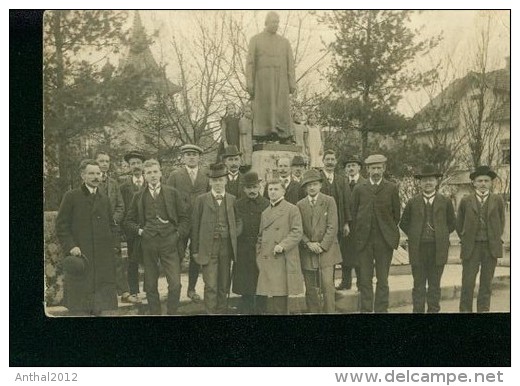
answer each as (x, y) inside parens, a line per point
(350, 159)
(231, 151)
(311, 176)
(251, 179)
(217, 170)
(483, 171)
(190, 147)
(428, 171)
(134, 154)
(298, 161)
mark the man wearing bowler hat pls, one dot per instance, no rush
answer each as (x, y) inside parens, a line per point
(480, 224)
(232, 160)
(83, 226)
(191, 181)
(129, 188)
(214, 232)
(428, 219)
(245, 271)
(352, 166)
(319, 248)
(375, 211)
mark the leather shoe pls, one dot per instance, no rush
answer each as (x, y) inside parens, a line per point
(194, 296)
(343, 286)
(127, 298)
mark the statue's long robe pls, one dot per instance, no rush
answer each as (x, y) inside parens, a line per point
(270, 78)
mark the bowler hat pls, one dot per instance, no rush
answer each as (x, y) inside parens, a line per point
(134, 154)
(217, 170)
(311, 176)
(191, 147)
(350, 159)
(251, 179)
(375, 159)
(483, 170)
(231, 151)
(75, 265)
(428, 171)
(298, 161)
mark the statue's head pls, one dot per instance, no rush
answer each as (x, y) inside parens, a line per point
(271, 22)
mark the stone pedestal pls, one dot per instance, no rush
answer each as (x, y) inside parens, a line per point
(265, 156)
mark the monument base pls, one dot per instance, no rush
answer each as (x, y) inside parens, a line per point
(265, 156)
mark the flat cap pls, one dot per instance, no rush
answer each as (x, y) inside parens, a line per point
(191, 147)
(375, 159)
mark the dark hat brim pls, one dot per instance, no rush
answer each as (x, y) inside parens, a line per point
(217, 174)
(313, 179)
(419, 176)
(352, 161)
(127, 157)
(489, 173)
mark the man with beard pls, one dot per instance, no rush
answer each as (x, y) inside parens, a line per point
(129, 188)
(376, 211)
(352, 167)
(245, 275)
(192, 181)
(83, 226)
(428, 219)
(158, 216)
(231, 158)
(319, 248)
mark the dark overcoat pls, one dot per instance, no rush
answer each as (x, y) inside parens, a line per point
(245, 274)
(236, 188)
(111, 188)
(320, 224)
(379, 204)
(203, 224)
(412, 223)
(468, 221)
(293, 192)
(84, 221)
(341, 192)
(348, 244)
(281, 274)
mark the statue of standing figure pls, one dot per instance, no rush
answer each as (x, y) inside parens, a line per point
(270, 80)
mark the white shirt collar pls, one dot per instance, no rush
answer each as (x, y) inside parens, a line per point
(328, 174)
(192, 170)
(91, 189)
(375, 183)
(315, 198)
(214, 194)
(273, 203)
(293, 177)
(157, 189)
(135, 180)
(355, 178)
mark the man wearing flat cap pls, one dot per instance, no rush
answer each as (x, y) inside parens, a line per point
(245, 271)
(232, 159)
(376, 211)
(128, 189)
(191, 180)
(480, 224)
(319, 248)
(214, 232)
(352, 166)
(428, 219)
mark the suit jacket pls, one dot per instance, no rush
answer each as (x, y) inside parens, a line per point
(279, 275)
(467, 224)
(180, 180)
(236, 188)
(340, 190)
(348, 244)
(293, 192)
(412, 223)
(203, 224)
(176, 206)
(84, 221)
(378, 205)
(320, 224)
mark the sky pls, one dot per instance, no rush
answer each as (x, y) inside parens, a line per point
(458, 27)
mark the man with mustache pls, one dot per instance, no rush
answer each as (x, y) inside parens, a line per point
(245, 275)
(293, 190)
(480, 225)
(428, 219)
(129, 188)
(232, 159)
(376, 211)
(83, 226)
(158, 216)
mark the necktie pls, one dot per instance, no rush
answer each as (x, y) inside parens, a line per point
(138, 183)
(286, 182)
(192, 176)
(330, 179)
(154, 191)
(352, 184)
(482, 199)
(428, 199)
(313, 201)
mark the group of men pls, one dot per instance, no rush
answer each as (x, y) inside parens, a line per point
(272, 246)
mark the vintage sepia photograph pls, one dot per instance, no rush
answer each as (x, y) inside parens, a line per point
(288, 162)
